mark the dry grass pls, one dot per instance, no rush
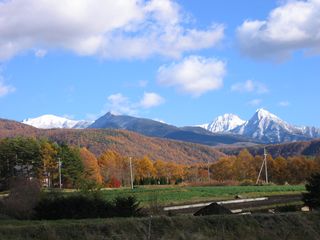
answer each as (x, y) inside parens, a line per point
(293, 226)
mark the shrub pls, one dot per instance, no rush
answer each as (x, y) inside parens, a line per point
(80, 206)
(126, 207)
(114, 183)
(312, 197)
(24, 195)
(74, 206)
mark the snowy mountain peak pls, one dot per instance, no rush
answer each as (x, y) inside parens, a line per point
(225, 123)
(263, 126)
(262, 113)
(267, 127)
(49, 121)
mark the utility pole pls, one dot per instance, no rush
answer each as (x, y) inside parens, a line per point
(264, 164)
(59, 162)
(131, 175)
(208, 172)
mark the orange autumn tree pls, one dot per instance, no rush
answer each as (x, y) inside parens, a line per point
(143, 169)
(280, 171)
(115, 169)
(222, 169)
(108, 163)
(91, 166)
(168, 171)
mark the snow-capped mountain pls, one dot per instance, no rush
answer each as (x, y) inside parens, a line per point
(225, 123)
(263, 126)
(49, 121)
(267, 127)
(311, 132)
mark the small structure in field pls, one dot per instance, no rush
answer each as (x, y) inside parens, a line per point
(213, 208)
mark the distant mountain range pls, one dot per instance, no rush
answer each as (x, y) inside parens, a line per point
(128, 143)
(262, 127)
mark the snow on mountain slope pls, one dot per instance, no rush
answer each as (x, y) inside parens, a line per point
(225, 123)
(263, 126)
(49, 121)
(269, 128)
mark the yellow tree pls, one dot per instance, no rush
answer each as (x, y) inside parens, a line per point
(143, 168)
(160, 168)
(91, 166)
(280, 172)
(243, 166)
(222, 169)
(174, 171)
(50, 162)
(108, 165)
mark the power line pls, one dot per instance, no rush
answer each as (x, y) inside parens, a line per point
(131, 175)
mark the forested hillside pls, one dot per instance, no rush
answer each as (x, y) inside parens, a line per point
(124, 142)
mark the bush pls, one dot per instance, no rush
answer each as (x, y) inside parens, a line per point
(126, 207)
(75, 206)
(312, 197)
(24, 195)
(85, 206)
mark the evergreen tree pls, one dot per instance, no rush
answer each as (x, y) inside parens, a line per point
(312, 197)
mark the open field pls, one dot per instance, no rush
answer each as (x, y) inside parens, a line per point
(293, 226)
(179, 195)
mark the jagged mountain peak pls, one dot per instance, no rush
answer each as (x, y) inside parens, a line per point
(263, 113)
(263, 126)
(225, 123)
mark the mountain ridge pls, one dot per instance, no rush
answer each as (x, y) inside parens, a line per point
(269, 128)
(262, 127)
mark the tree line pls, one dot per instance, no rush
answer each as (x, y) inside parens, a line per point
(33, 158)
(245, 167)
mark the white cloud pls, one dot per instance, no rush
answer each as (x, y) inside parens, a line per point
(120, 104)
(249, 86)
(284, 104)
(255, 102)
(151, 99)
(195, 75)
(292, 26)
(5, 89)
(104, 28)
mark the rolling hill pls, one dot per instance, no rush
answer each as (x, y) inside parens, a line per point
(125, 142)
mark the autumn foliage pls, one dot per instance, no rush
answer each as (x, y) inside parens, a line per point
(39, 159)
(244, 166)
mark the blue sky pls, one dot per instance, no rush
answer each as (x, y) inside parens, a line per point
(182, 62)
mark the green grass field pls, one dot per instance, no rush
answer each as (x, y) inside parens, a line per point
(178, 195)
